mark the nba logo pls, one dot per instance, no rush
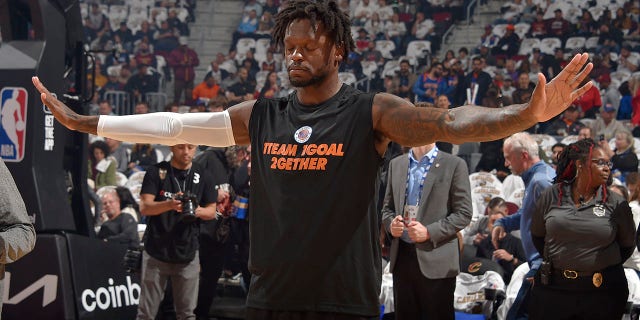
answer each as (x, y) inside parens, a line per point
(13, 112)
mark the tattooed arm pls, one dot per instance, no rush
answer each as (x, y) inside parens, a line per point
(398, 120)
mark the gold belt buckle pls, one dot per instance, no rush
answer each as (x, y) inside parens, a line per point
(597, 279)
(570, 274)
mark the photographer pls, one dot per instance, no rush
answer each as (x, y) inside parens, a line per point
(173, 196)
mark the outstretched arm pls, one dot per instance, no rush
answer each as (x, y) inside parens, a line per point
(212, 129)
(397, 120)
(66, 116)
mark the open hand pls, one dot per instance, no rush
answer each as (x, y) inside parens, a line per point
(550, 99)
(66, 116)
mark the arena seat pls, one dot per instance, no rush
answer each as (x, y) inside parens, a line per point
(591, 43)
(261, 47)
(413, 61)
(121, 179)
(347, 78)
(548, 45)
(510, 186)
(527, 45)
(369, 68)
(244, 45)
(386, 47)
(545, 142)
(575, 43)
(522, 28)
(418, 48)
(136, 178)
(390, 68)
(621, 76)
(570, 139)
(499, 30)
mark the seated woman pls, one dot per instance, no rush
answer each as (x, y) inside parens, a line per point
(128, 203)
(102, 169)
(623, 157)
(143, 155)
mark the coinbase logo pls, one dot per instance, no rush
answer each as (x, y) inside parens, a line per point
(111, 297)
(13, 113)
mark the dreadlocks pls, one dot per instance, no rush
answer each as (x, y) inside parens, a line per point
(336, 23)
(580, 150)
(566, 171)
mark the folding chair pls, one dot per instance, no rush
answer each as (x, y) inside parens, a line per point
(386, 47)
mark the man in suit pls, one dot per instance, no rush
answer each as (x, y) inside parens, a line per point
(423, 210)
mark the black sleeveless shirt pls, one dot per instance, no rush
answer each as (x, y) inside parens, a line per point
(314, 229)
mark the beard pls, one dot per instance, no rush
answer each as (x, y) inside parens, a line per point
(314, 80)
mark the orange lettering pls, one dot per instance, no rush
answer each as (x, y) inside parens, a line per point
(322, 149)
(291, 151)
(304, 164)
(288, 165)
(311, 149)
(274, 148)
(281, 163)
(339, 152)
(332, 150)
(312, 163)
(273, 162)
(266, 148)
(322, 162)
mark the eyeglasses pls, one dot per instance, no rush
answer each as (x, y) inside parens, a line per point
(602, 163)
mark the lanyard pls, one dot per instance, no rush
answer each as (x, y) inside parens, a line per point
(424, 176)
(184, 183)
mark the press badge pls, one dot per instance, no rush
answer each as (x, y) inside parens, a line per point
(410, 213)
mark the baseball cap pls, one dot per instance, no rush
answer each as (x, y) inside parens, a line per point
(510, 27)
(511, 208)
(608, 108)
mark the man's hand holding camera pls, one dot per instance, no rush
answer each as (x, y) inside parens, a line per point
(186, 204)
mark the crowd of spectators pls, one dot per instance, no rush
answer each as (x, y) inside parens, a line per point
(140, 45)
(383, 30)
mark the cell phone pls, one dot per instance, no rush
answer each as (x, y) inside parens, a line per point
(601, 137)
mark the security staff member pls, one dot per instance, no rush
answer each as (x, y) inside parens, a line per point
(584, 233)
(171, 237)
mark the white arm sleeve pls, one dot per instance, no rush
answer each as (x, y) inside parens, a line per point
(168, 128)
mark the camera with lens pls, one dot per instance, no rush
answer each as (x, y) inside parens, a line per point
(189, 203)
